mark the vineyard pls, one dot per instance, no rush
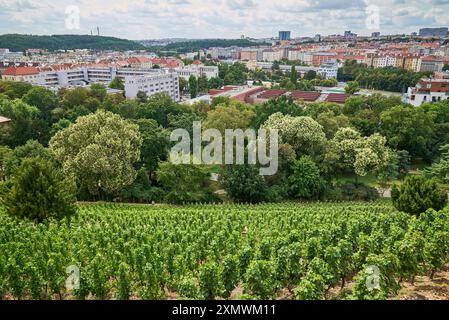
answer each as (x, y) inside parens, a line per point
(210, 251)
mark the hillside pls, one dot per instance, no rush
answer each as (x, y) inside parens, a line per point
(194, 45)
(22, 42)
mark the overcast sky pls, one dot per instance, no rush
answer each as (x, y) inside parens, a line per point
(148, 19)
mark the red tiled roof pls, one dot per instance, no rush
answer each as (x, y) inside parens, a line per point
(270, 94)
(20, 71)
(337, 97)
(305, 95)
(197, 62)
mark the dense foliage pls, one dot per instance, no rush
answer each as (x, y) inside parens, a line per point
(419, 194)
(208, 251)
(39, 191)
(22, 42)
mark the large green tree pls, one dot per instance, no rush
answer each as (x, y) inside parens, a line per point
(304, 134)
(25, 123)
(99, 150)
(408, 128)
(40, 191)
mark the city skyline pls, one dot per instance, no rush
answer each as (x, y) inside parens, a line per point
(195, 19)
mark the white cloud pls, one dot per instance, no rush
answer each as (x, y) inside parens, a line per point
(142, 19)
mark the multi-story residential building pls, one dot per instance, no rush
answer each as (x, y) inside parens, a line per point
(328, 70)
(301, 55)
(26, 74)
(428, 90)
(321, 57)
(163, 81)
(248, 55)
(411, 62)
(382, 61)
(197, 69)
(271, 55)
(251, 54)
(224, 53)
(432, 63)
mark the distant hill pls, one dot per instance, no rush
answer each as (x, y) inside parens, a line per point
(194, 45)
(22, 42)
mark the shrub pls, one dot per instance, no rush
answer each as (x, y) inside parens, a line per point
(418, 194)
(244, 184)
(185, 183)
(305, 182)
(39, 191)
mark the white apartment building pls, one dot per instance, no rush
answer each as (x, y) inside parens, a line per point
(303, 56)
(197, 71)
(86, 75)
(428, 90)
(328, 70)
(165, 81)
(272, 55)
(384, 61)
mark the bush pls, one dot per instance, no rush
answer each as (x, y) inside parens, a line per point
(185, 183)
(418, 194)
(305, 182)
(244, 184)
(39, 191)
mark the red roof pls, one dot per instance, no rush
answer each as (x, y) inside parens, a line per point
(270, 94)
(305, 95)
(197, 62)
(20, 71)
(337, 97)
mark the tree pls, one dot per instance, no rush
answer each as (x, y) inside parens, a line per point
(141, 96)
(244, 184)
(15, 89)
(418, 194)
(155, 143)
(352, 87)
(183, 85)
(185, 183)
(117, 83)
(304, 134)
(349, 151)
(215, 83)
(440, 169)
(159, 106)
(39, 191)
(282, 104)
(25, 123)
(43, 99)
(32, 149)
(332, 122)
(193, 87)
(408, 128)
(310, 75)
(293, 75)
(98, 91)
(446, 67)
(203, 84)
(99, 150)
(229, 117)
(305, 181)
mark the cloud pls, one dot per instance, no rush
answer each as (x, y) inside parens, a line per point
(144, 19)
